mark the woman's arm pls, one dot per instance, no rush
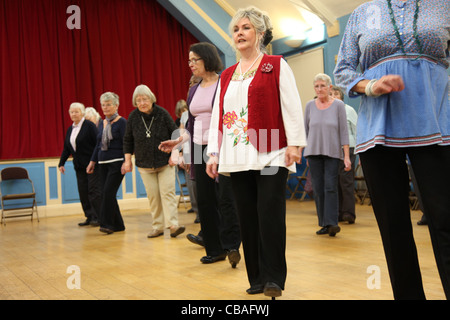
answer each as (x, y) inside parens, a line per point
(384, 85)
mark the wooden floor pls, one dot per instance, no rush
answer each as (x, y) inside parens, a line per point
(34, 260)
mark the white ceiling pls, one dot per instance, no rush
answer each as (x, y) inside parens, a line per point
(281, 10)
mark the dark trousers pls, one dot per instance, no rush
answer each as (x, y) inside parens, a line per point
(111, 178)
(386, 173)
(261, 203)
(324, 177)
(346, 188)
(216, 209)
(89, 192)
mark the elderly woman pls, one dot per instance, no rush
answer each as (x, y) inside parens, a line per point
(346, 184)
(80, 142)
(258, 110)
(109, 155)
(147, 126)
(394, 54)
(92, 115)
(328, 144)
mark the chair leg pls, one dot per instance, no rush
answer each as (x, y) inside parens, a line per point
(32, 212)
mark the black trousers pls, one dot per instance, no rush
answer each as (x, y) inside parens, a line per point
(346, 188)
(111, 178)
(89, 192)
(216, 209)
(386, 173)
(261, 203)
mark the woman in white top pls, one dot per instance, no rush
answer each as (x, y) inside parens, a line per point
(256, 137)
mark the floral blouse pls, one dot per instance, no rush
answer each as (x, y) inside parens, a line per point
(237, 153)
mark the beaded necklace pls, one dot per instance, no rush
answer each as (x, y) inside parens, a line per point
(397, 33)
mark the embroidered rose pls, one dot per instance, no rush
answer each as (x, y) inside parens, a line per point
(229, 119)
(267, 67)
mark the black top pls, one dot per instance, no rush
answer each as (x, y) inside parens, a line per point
(86, 141)
(135, 141)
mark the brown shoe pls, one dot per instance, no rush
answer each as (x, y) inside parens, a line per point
(155, 233)
(175, 231)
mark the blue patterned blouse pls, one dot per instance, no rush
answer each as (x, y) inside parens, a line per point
(420, 114)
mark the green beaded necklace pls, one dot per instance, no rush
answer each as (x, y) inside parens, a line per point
(397, 33)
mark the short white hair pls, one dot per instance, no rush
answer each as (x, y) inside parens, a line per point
(91, 112)
(110, 96)
(323, 77)
(79, 106)
(143, 90)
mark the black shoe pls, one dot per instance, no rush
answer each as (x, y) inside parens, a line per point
(195, 239)
(332, 230)
(422, 221)
(85, 223)
(106, 230)
(234, 257)
(94, 223)
(271, 289)
(256, 289)
(349, 218)
(324, 230)
(191, 210)
(212, 259)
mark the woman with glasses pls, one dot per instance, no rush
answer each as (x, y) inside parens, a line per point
(220, 232)
(147, 126)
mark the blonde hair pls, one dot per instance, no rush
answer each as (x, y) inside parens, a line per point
(260, 21)
(143, 90)
(180, 107)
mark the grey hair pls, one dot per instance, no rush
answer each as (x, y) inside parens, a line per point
(260, 21)
(322, 77)
(79, 106)
(93, 113)
(143, 90)
(110, 96)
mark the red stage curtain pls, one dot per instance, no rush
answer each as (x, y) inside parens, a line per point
(45, 66)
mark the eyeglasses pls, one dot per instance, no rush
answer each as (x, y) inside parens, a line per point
(194, 61)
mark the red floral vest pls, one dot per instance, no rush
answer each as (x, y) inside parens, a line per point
(265, 122)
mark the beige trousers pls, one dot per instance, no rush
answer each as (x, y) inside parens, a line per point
(160, 188)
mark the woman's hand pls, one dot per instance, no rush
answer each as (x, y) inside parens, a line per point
(174, 158)
(62, 169)
(293, 154)
(211, 167)
(127, 166)
(168, 145)
(347, 164)
(90, 168)
(387, 84)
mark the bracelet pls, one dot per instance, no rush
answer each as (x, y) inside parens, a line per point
(369, 91)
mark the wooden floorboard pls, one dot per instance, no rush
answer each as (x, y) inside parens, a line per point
(34, 258)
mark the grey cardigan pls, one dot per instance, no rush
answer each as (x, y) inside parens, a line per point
(147, 154)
